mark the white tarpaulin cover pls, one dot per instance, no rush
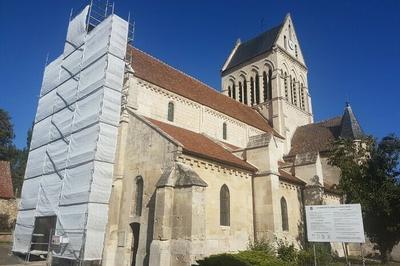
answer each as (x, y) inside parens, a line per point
(70, 165)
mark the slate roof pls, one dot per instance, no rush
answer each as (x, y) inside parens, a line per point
(350, 126)
(6, 186)
(317, 137)
(180, 175)
(201, 146)
(254, 47)
(156, 72)
(285, 176)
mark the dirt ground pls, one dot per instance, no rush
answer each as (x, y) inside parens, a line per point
(7, 258)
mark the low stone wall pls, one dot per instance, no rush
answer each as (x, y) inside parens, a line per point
(5, 237)
(8, 215)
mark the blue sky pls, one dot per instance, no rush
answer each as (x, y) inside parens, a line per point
(351, 48)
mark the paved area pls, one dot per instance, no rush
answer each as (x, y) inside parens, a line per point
(7, 258)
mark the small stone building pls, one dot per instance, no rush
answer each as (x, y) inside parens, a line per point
(8, 204)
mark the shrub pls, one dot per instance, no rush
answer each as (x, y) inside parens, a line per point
(322, 252)
(287, 252)
(305, 257)
(259, 258)
(261, 253)
(243, 258)
(261, 245)
(222, 259)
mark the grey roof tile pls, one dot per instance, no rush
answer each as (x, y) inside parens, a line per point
(254, 47)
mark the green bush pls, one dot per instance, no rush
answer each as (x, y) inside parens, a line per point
(222, 259)
(243, 258)
(287, 252)
(305, 257)
(322, 251)
(261, 253)
(261, 245)
(259, 258)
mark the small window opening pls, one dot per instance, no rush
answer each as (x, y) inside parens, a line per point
(171, 111)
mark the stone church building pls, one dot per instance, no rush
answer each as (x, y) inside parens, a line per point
(133, 162)
(201, 172)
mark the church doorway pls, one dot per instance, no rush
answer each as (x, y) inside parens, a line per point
(135, 241)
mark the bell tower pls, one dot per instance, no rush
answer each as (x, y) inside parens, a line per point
(269, 73)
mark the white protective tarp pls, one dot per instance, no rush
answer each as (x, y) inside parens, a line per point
(30, 190)
(76, 32)
(36, 161)
(49, 190)
(66, 94)
(70, 164)
(23, 230)
(41, 134)
(50, 76)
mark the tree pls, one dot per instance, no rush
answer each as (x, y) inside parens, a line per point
(6, 135)
(18, 164)
(370, 176)
(9, 152)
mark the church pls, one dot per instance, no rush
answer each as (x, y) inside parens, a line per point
(177, 170)
(200, 172)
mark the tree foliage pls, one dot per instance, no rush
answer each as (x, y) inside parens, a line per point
(9, 152)
(370, 176)
(6, 135)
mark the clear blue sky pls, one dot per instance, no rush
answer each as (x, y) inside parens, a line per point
(352, 48)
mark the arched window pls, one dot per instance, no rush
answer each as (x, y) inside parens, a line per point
(291, 88)
(265, 85)
(139, 196)
(171, 111)
(234, 91)
(286, 86)
(285, 41)
(245, 90)
(284, 213)
(252, 90)
(302, 100)
(240, 91)
(257, 89)
(229, 91)
(224, 131)
(270, 85)
(294, 92)
(224, 205)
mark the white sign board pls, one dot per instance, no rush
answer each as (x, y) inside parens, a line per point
(335, 223)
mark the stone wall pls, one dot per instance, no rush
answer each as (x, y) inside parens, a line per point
(152, 101)
(8, 216)
(142, 152)
(331, 173)
(293, 196)
(220, 239)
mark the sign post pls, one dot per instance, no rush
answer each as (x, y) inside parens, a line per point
(335, 223)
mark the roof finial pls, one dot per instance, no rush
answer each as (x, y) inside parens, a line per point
(347, 100)
(238, 41)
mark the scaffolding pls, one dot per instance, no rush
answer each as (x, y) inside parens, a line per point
(70, 164)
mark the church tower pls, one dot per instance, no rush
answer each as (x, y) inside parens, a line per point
(269, 73)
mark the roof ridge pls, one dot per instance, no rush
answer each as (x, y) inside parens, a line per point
(260, 34)
(322, 121)
(204, 84)
(178, 70)
(326, 120)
